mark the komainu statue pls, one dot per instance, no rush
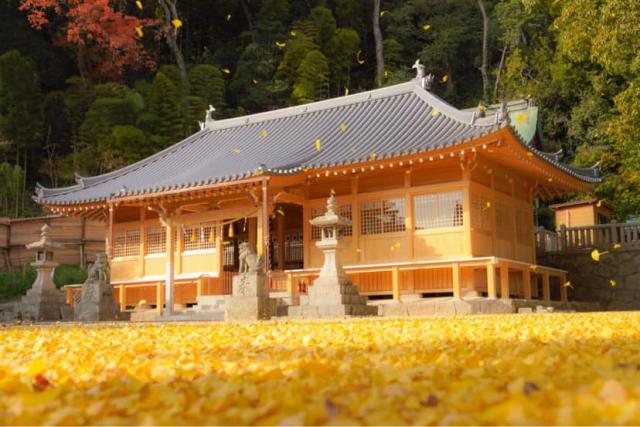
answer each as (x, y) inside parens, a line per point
(250, 262)
(97, 301)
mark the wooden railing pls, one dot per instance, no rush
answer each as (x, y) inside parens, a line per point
(586, 237)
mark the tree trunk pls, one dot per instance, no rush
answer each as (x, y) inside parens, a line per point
(485, 49)
(495, 87)
(247, 13)
(377, 35)
(171, 36)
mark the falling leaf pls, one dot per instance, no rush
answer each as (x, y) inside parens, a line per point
(280, 45)
(254, 81)
(236, 150)
(617, 246)
(293, 33)
(343, 127)
(139, 4)
(382, 12)
(386, 74)
(596, 254)
(346, 91)
(280, 211)
(522, 117)
(612, 283)
(550, 179)
(373, 155)
(426, 27)
(481, 107)
(139, 32)
(445, 78)
(264, 133)
(567, 284)
(487, 206)
(228, 17)
(332, 192)
(435, 112)
(533, 267)
(318, 145)
(530, 154)
(599, 204)
(226, 71)
(360, 60)
(176, 23)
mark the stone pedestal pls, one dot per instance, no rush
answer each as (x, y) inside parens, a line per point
(41, 304)
(250, 298)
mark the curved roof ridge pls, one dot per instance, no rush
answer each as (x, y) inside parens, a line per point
(465, 117)
(88, 181)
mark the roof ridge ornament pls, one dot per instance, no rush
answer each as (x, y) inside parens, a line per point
(426, 81)
(208, 118)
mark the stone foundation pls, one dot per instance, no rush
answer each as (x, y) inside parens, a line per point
(41, 305)
(328, 299)
(249, 299)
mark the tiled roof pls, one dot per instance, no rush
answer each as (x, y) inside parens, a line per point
(391, 121)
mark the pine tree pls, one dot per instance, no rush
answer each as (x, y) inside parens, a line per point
(166, 106)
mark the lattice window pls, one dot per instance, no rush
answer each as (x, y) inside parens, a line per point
(156, 240)
(504, 221)
(343, 210)
(199, 236)
(293, 247)
(480, 212)
(524, 226)
(126, 243)
(382, 216)
(438, 210)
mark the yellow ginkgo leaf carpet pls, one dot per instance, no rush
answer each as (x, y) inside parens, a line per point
(506, 369)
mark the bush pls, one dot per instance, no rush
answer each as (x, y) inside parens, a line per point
(69, 275)
(15, 282)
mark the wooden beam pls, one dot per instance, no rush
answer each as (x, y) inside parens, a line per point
(122, 297)
(491, 280)
(395, 281)
(526, 283)
(457, 286)
(285, 197)
(563, 289)
(546, 290)
(504, 280)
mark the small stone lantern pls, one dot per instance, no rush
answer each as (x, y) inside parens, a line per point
(332, 295)
(43, 301)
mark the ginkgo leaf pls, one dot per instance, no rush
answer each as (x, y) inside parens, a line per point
(445, 78)
(318, 145)
(177, 23)
(599, 204)
(264, 133)
(226, 71)
(139, 4)
(612, 282)
(358, 58)
(529, 153)
(386, 74)
(567, 284)
(343, 127)
(382, 12)
(435, 112)
(280, 211)
(139, 32)
(596, 254)
(332, 192)
(373, 155)
(236, 150)
(280, 45)
(533, 267)
(293, 33)
(228, 17)
(522, 117)
(425, 27)
(254, 81)
(617, 246)
(346, 91)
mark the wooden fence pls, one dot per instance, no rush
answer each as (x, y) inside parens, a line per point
(588, 237)
(82, 239)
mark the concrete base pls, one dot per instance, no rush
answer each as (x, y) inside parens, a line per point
(41, 305)
(94, 312)
(332, 298)
(473, 305)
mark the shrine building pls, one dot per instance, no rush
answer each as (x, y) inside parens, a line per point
(441, 200)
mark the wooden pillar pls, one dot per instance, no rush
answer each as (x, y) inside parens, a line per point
(122, 299)
(159, 297)
(252, 223)
(169, 285)
(546, 291)
(492, 217)
(83, 235)
(179, 247)
(504, 280)
(395, 282)
(409, 220)
(306, 234)
(199, 286)
(143, 242)
(280, 235)
(563, 289)
(455, 270)
(265, 225)
(526, 283)
(110, 233)
(491, 280)
(466, 210)
(260, 233)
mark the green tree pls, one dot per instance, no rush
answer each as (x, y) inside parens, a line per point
(312, 78)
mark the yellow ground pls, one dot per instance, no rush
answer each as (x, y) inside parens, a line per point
(509, 369)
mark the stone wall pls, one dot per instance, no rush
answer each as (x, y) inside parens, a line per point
(591, 279)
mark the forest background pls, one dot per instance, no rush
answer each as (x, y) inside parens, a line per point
(88, 86)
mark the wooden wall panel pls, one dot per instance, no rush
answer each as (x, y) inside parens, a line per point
(197, 263)
(438, 245)
(125, 269)
(433, 279)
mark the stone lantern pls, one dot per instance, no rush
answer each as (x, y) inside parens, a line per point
(43, 301)
(332, 294)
